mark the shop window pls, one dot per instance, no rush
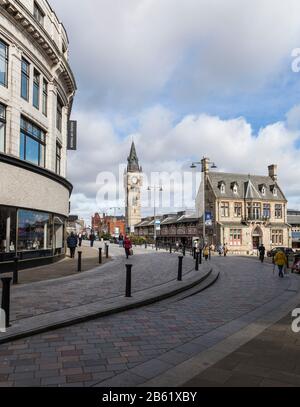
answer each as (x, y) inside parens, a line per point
(34, 231)
(7, 232)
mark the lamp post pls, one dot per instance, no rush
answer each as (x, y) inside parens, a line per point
(206, 164)
(160, 189)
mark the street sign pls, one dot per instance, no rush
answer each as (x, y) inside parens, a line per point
(208, 219)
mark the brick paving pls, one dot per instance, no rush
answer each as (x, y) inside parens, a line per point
(269, 360)
(132, 347)
(150, 269)
(63, 268)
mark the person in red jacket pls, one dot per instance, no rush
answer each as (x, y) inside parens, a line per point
(127, 246)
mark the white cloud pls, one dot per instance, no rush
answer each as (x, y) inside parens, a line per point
(128, 51)
(164, 145)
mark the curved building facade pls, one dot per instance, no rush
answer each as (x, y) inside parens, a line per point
(37, 88)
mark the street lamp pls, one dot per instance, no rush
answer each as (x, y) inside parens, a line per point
(206, 164)
(160, 189)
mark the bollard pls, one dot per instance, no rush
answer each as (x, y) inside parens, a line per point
(16, 271)
(128, 280)
(100, 255)
(194, 253)
(197, 262)
(180, 260)
(79, 266)
(106, 250)
(5, 303)
(170, 248)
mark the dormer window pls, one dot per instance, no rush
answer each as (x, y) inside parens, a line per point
(262, 189)
(274, 190)
(222, 187)
(234, 187)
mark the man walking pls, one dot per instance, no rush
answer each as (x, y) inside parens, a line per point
(92, 239)
(72, 244)
(262, 252)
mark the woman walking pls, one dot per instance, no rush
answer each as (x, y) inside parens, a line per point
(127, 246)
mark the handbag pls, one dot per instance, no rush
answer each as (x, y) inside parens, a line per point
(131, 252)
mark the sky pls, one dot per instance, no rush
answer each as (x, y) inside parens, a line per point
(184, 80)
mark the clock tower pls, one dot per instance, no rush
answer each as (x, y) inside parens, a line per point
(133, 181)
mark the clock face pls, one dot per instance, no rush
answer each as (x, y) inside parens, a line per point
(134, 180)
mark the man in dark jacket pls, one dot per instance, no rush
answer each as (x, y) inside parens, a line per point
(92, 239)
(262, 252)
(72, 242)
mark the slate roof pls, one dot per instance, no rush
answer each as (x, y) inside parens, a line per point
(133, 161)
(249, 186)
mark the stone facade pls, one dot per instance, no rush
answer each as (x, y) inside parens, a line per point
(246, 211)
(294, 221)
(37, 88)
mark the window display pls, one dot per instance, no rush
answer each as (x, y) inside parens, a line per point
(34, 231)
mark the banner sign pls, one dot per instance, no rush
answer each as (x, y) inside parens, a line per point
(208, 219)
(72, 135)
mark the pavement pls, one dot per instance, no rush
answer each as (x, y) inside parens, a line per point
(98, 292)
(169, 343)
(63, 268)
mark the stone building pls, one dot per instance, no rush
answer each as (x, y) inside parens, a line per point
(37, 88)
(246, 210)
(133, 182)
(112, 225)
(180, 227)
(294, 221)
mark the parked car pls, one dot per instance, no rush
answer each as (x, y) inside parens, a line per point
(287, 250)
(296, 265)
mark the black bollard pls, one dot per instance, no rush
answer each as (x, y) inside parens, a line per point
(197, 262)
(128, 280)
(170, 248)
(106, 250)
(5, 303)
(100, 255)
(16, 271)
(194, 253)
(79, 266)
(180, 260)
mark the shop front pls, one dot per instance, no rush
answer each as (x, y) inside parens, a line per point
(32, 236)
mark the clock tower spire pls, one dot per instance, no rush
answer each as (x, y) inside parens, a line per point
(133, 181)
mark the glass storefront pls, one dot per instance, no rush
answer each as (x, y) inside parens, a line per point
(30, 234)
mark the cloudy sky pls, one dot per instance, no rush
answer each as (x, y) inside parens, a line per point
(184, 79)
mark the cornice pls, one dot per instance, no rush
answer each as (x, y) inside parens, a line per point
(25, 20)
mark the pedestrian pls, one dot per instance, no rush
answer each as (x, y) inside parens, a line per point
(80, 239)
(280, 260)
(121, 240)
(92, 239)
(225, 250)
(72, 244)
(220, 250)
(262, 252)
(206, 253)
(127, 246)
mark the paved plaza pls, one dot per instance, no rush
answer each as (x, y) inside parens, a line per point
(168, 343)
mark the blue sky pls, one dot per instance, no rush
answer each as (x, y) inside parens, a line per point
(196, 77)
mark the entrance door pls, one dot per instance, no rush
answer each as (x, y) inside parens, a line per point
(256, 242)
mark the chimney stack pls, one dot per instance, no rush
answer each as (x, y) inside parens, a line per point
(273, 172)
